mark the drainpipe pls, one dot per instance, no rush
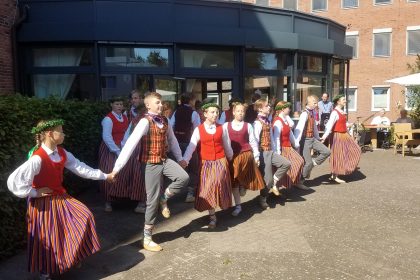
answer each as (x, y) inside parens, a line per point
(15, 27)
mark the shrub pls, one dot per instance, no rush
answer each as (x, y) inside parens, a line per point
(18, 115)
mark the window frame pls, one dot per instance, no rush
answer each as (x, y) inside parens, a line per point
(388, 99)
(355, 7)
(382, 31)
(323, 10)
(382, 4)
(355, 99)
(410, 28)
(355, 34)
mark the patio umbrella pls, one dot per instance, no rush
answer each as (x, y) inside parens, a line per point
(409, 80)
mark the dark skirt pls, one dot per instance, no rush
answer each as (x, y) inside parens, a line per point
(292, 176)
(245, 172)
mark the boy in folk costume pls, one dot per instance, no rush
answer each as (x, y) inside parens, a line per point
(306, 134)
(345, 152)
(61, 229)
(184, 120)
(246, 156)
(268, 158)
(285, 145)
(214, 189)
(156, 138)
(114, 126)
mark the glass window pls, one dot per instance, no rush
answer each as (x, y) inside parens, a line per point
(382, 44)
(136, 57)
(310, 63)
(290, 4)
(352, 99)
(350, 3)
(382, 2)
(169, 89)
(308, 85)
(409, 94)
(262, 3)
(353, 41)
(205, 59)
(65, 86)
(319, 5)
(123, 84)
(266, 61)
(413, 41)
(62, 57)
(271, 87)
(380, 98)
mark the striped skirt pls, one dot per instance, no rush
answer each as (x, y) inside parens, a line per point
(121, 187)
(292, 176)
(245, 172)
(61, 233)
(136, 177)
(215, 188)
(345, 154)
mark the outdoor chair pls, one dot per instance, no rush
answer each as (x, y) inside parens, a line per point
(403, 136)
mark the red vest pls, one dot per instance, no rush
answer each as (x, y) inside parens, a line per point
(340, 124)
(265, 137)
(239, 139)
(154, 145)
(183, 125)
(118, 128)
(51, 173)
(285, 133)
(211, 145)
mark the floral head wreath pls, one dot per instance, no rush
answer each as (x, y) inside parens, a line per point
(208, 105)
(284, 106)
(46, 125)
(337, 97)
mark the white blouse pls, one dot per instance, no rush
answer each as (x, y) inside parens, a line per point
(107, 132)
(277, 128)
(237, 126)
(331, 121)
(210, 129)
(301, 126)
(20, 181)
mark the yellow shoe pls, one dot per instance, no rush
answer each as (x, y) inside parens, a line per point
(166, 213)
(150, 245)
(275, 191)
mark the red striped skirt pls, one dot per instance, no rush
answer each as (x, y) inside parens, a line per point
(292, 176)
(121, 187)
(245, 172)
(215, 188)
(61, 233)
(345, 154)
(136, 178)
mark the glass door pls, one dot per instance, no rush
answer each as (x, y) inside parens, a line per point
(219, 90)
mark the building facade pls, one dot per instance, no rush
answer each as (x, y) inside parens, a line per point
(214, 49)
(7, 21)
(385, 36)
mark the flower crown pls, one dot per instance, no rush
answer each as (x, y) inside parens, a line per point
(284, 106)
(337, 97)
(46, 125)
(208, 105)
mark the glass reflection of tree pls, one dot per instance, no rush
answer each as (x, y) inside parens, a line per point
(155, 58)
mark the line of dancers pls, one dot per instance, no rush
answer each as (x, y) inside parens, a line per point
(140, 148)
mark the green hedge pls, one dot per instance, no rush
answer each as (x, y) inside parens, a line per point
(18, 115)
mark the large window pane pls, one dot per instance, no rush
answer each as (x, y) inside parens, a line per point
(308, 85)
(62, 57)
(136, 57)
(353, 41)
(207, 59)
(413, 42)
(266, 61)
(382, 44)
(169, 89)
(382, 1)
(350, 3)
(123, 84)
(290, 4)
(310, 63)
(262, 3)
(319, 5)
(352, 99)
(65, 86)
(271, 87)
(380, 98)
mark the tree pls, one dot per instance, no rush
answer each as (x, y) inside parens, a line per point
(414, 97)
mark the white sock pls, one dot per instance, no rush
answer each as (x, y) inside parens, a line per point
(275, 181)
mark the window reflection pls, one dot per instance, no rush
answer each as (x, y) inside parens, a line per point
(207, 59)
(136, 57)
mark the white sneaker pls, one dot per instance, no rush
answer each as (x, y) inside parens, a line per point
(108, 207)
(336, 179)
(190, 198)
(238, 209)
(140, 209)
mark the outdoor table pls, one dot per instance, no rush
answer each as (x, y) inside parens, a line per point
(374, 133)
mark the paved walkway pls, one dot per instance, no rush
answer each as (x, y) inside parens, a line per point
(366, 229)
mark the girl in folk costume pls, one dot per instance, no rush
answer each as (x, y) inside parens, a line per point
(156, 138)
(283, 140)
(345, 153)
(214, 189)
(268, 159)
(227, 115)
(246, 156)
(114, 126)
(61, 229)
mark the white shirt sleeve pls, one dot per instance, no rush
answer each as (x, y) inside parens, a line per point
(195, 119)
(290, 122)
(20, 181)
(257, 131)
(253, 142)
(107, 135)
(277, 128)
(141, 129)
(300, 126)
(226, 144)
(195, 138)
(172, 120)
(173, 144)
(328, 127)
(222, 119)
(82, 169)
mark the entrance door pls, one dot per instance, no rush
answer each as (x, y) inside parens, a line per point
(219, 90)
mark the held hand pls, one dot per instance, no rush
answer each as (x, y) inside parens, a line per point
(44, 191)
(322, 140)
(183, 163)
(257, 162)
(110, 178)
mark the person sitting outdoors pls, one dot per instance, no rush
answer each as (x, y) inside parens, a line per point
(383, 132)
(404, 119)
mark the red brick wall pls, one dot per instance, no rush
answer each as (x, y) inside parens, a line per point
(7, 15)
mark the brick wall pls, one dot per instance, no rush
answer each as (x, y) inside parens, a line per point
(7, 15)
